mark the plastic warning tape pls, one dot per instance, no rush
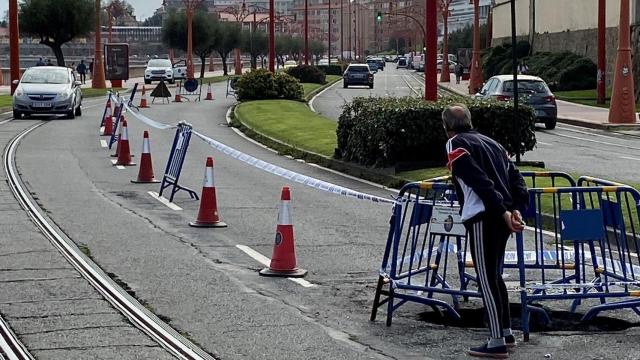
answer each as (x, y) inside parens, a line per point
(290, 175)
(146, 120)
(268, 167)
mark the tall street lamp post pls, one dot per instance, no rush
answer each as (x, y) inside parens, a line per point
(476, 78)
(341, 33)
(190, 5)
(430, 61)
(14, 46)
(98, 82)
(623, 108)
(444, 8)
(272, 36)
(329, 40)
(602, 48)
(306, 32)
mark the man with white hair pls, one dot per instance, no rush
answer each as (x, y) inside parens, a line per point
(491, 193)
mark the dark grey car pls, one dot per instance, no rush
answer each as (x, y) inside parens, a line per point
(357, 74)
(532, 91)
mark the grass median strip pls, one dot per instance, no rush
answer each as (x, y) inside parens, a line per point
(291, 122)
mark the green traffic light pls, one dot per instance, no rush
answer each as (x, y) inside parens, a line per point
(379, 17)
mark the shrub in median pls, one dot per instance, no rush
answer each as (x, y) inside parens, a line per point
(262, 84)
(386, 131)
(307, 74)
(333, 69)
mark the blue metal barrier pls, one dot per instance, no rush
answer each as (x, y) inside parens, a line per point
(595, 244)
(417, 264)
(176, 159)
(116, 121)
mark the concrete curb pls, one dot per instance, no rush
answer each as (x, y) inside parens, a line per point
(380, 177)
(319, 91)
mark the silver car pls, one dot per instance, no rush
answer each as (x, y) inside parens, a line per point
(47, 90)
(532, 91)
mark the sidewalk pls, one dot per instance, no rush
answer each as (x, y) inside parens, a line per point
(568, 112)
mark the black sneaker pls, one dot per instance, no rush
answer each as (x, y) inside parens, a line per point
(510, 340)
(498, 352)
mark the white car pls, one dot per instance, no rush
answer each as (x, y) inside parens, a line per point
(323, 62)
(159, 69)
(180, 69)
(290, 64)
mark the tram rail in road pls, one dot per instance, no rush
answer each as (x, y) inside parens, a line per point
(10, 346)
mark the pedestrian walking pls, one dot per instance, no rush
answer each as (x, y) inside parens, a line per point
(40, 62)
(458, 70)
(82, 71)
(91, 68)
(491, 193)
(523, 68)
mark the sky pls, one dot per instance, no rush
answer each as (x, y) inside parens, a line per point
(144, 8)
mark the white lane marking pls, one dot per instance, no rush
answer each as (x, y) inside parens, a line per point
(543, 143)
(596, 141)
(629, 158)
(5, 121)
(164, 201)
(320, 93)
(266, 261)
(119, 167)
(103, 143)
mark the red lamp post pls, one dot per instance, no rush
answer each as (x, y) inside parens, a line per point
(444, 8)
(602, 48)
(190, 6)
(306, 32)
(623, 108)
(430, 58)
(272, 37)
(98, 82)
(329, 40)
(476, 77)
(14, 46)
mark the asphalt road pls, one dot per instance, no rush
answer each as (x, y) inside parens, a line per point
(568, 148)
(204, 286)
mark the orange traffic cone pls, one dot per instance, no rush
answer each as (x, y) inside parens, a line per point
(108, 126)
(283, 260)
(143, 98)
(209, 93)
(107, 111)
(124, 154)
(145, 174)
(119, 130)
(178, 98)
(208, 213)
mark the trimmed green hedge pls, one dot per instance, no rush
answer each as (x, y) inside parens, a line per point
(307, 74)
(387, 131)
(562, 71)
(262, 84)
(333, 69)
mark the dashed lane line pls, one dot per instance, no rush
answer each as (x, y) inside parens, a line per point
(103, 143)
(164, 201)
(266, 262)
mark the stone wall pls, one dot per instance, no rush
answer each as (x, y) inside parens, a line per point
(585, 43)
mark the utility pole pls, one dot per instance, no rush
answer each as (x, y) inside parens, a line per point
(272, 36)
(97, 81)
(329, 40)
(306, 32)
(623, 108)
(14, 45)
(341, 32)
(602, 48)
(475, 82)
(430, 57)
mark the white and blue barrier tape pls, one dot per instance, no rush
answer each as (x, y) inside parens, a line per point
(268, 167)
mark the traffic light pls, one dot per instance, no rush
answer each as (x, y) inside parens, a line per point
(379, 16)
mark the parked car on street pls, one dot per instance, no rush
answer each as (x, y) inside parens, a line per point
(47, 90)
(159, 69)
(323, 62)
(402, 63)
(373, 64)
(357, 74)
(381, 63)
(452, 66)
(180, 69)
(290, 64)
(532, 91)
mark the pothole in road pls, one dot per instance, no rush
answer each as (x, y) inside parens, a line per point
(560, 320)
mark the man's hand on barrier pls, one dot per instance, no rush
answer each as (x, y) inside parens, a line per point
(514, 220)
